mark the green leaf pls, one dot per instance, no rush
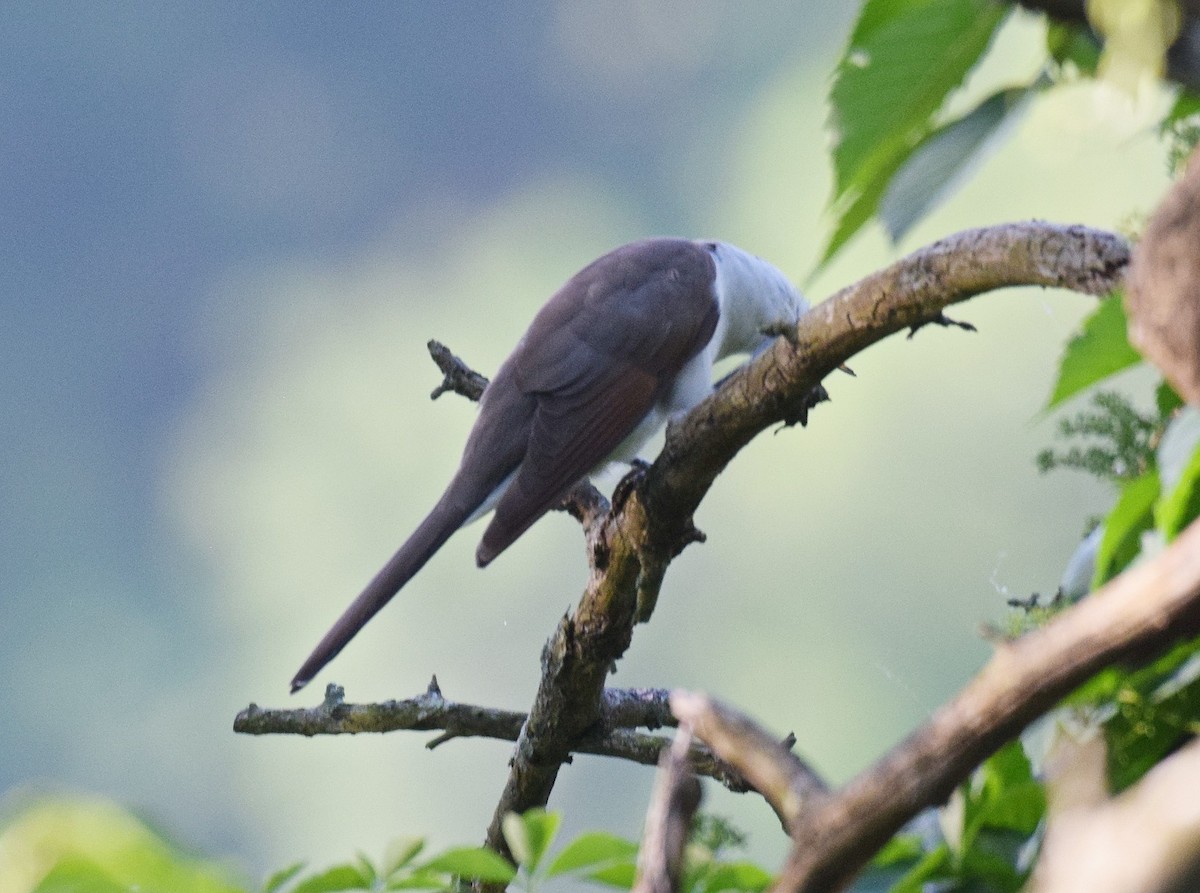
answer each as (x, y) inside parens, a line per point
(366, 868)
(1073, 44)
(881, 878)
(930, 174)
(620, 875)
(76, 874)
(592, 849)
(1130, 518)
(281, 877)
(530, 835)
(340, 877)
(903, 59)
(1186, 105)
(419, 879)
(1177, 509)
(991, 864)
(1019, 809)
(1156, 708)
(903, 848)
(1166, 400)
(1101, 349)
(474, 863)
(736, 876)
(936, 864)
(399, 853)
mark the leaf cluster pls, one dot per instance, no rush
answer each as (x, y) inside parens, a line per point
(899, 151)
(594, 857)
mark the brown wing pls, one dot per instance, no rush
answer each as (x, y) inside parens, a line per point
(597, 358)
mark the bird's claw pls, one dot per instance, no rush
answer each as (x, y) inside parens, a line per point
(629, 483)
(798, 414)
(941, 320)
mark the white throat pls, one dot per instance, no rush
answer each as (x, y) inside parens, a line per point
(752, 295)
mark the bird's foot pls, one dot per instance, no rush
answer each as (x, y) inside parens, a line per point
(798, 414)
(941, 320)
(628, 484)
(785, 330)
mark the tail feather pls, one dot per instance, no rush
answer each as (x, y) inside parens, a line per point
(438, 526)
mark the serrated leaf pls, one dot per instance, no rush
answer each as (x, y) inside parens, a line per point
(902, 61)
(340, 877)
(591, 849)
(620, 875)
(475, 863)
(1099, 350)
(1130, 518)
(399, 853)
(281, 877)
(860, 208)
(931, 173)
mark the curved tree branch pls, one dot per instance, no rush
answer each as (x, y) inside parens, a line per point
(1133, 618)
(785, 781)
(630, 547)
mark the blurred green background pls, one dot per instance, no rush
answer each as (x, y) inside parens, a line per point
(227, 233)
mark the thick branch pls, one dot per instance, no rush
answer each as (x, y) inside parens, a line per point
(785, 781)
(1164, 279)
(630, 548)
(1134, 617)
(1147, 840)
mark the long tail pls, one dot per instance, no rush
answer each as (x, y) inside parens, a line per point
(439, 525)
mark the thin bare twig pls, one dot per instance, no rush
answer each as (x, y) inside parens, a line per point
(623, 711)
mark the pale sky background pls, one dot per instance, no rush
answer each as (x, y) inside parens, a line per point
(227, 233)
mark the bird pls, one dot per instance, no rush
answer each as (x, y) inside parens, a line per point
(627, 343)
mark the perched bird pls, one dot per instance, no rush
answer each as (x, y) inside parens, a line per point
(627, 342)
